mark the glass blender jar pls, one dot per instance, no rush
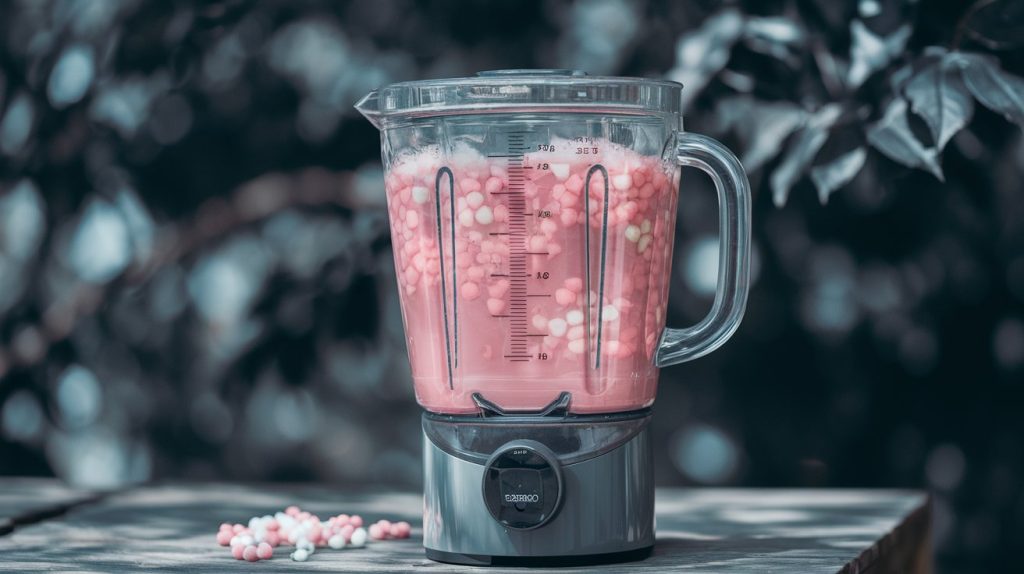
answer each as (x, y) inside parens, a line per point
(532, 215)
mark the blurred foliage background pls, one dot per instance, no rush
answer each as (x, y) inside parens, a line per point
(196, 278)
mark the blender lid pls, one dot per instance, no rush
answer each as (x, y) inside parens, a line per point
(522, 90)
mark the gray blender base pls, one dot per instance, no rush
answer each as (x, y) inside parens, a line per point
(605, 509)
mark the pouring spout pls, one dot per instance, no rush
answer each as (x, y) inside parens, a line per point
(370, 108)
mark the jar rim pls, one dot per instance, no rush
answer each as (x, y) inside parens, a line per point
(524, 90)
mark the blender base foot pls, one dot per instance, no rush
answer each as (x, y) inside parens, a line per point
(539, 561)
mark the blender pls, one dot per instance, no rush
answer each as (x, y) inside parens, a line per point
(532, 216)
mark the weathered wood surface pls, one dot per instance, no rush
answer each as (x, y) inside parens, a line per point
(27, 500)
(171, 529)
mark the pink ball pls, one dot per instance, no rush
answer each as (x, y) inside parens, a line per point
(225, 526)
(470, 290)
(237, 550)
(237, 528)
(395, 531)
(224, 537)
(272, 538)
(495, 306)
(302, 516)
(493, 184)
(264, 551)
(356, 520)
(565, 297)
(273, 524)
(346, 532)
(250, 554)
(376, 532)
(292, 510)
(404, 529)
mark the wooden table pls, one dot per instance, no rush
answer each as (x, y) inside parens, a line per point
(170, 528)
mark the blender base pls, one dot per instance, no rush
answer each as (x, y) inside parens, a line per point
(586, 480)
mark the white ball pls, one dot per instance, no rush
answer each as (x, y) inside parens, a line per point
(300, 555)
(336, 542)
(623, 181)
(557, 327)
(560, 170)
(304, 544)
(358, 538)
(484, 215)
(475, 199)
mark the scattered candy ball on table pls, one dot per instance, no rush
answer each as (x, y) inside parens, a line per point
(358, 538)
(264, 551)
(256, 540)
(384, 530)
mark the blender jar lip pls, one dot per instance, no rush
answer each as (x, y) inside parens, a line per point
(504, 91)
(499, 77)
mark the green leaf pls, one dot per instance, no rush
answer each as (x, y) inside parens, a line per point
(940, 97)
(870, 52)
(702, 53)
(801, 152)
(996, 89)
(891, 135)
(835, 174)
(766, 130)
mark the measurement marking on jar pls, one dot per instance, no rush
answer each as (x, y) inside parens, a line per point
(518, 250)
(516, 232)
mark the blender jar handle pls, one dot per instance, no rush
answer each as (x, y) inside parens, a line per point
(706, 154)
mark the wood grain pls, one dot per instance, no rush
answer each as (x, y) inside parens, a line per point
(27, 500)
(171, 528)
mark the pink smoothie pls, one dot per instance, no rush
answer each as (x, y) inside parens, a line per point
(523, 325)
